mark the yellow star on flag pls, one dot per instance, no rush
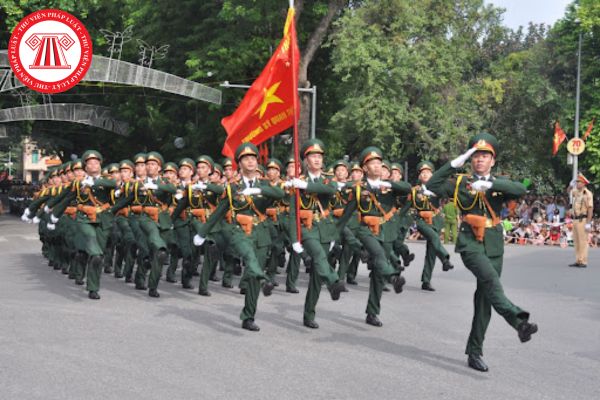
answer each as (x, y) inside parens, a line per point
(269, 98)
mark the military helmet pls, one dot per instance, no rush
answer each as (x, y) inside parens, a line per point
(370, 153)
(312, 146)
(425, 165)
(485, 142)
(246, 149)
(88, 155)
(155, 156)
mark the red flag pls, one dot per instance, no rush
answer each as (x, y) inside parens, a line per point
(589, 128)
(559, 137)
(268, 107)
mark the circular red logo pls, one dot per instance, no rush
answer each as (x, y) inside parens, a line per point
(50, 51)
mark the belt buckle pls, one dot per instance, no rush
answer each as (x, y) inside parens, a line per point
(98, 209)
(317, 216)
(489, 223)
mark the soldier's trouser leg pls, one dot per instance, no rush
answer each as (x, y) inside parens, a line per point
(95, 240)
(127, 248)
(580, 241)
(489, 294)
(158, 248)
(184, 242)
(320, 272)
(293, 269)
(143, 250)
(228, 266)
(349, 244)
(173, 262)
(434, 249)
(381, 269)
(252, 285)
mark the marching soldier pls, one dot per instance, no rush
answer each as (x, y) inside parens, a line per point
(196, 202)
(583, 208)
(277, 257)
(93, 222)
(375, 200)
(170, 174)
(404, 219)
(318, 229)
(127, 247)
(149, 200)
(480, 243)
(246, 232)
(429, 223)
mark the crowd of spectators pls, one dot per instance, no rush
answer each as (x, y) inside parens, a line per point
(540, 221)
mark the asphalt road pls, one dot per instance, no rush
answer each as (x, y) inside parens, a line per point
(55, 343)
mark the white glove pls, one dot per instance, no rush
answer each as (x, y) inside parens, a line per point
(47, 209)
(179, 196)
(588, 227)
(573, 183)
(53, 218)
(385, 184)
(251, 191)
(297, 247)
(462, 159)
(198, 240)
(331, 245)
(341, 185)
(51, 227)
(375, 184)
(88, 181)
(199, 186)
(118, 193)
(288, 184)
(427, 192)
(299, 183)
(150, 185)
(481, 186)
(35, 220)
(25, 216)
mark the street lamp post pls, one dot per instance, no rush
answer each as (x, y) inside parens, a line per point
(577, 92)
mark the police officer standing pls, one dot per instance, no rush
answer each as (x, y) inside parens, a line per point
(583, 207)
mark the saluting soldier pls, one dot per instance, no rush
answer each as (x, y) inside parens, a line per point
(479, 196)
(583, 209)
(318, 229)
(426, 206)
(375, 200)
(245, 231)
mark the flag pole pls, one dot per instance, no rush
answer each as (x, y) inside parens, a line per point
(295, 138)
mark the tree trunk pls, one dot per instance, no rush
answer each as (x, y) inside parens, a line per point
(308, 53)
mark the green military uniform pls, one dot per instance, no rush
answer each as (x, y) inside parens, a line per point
(196, 204)
(318, 232)
(149, 200)
(115, 234)
(450, 222)
(349, 245)
(247, 234)
(425, 209)
(404, 220)
(481, 243)
(170, 236)
(293, 264)
(93, 223)
(127, 247)
(277, 228)
(375, 201)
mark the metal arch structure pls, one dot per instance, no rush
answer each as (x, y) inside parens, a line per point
(104, 69)
(86, 114)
